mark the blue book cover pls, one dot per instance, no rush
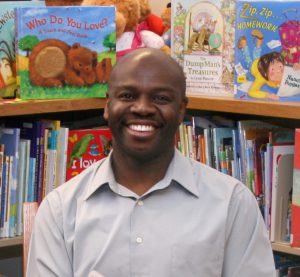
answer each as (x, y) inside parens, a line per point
(65, 51)
(267, 50)
(8, 83)
(10, 137)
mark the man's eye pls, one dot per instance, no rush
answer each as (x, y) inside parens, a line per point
(161, 98)
(126, 96)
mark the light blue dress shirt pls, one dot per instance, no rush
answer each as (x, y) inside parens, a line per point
(196, 222)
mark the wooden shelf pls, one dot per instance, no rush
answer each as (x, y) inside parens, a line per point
(228, 105)
(50, 106)
(261, 108)
(285, 248)
(11, 241)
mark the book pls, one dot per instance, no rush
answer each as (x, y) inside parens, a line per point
(203, 44)
(10, 137)
(278, 152)
(62, 155)
(86, 146)
(295, 224)
(51, 157)
(250, 129)
(8, 76)
(222, 136)
(63, 52)
(267, 51)
(284, 188)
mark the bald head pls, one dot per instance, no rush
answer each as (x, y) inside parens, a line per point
(152, 64)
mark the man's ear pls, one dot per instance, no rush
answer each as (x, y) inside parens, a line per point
(105, 114)
(182, 110)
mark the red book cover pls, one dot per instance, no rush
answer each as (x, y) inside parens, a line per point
(295, 224)
(86, 146)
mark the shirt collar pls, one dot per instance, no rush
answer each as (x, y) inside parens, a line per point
(184, 173)
(180, 170)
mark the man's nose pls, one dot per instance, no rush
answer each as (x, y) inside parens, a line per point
(143, 105)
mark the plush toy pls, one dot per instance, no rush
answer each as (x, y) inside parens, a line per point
(129, 35)
(52, 63)
(150, 21)
(166, 18)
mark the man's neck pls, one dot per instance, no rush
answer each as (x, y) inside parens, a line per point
(139, 176)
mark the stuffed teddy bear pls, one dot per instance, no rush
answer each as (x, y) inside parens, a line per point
(150, 21)
(53, 63)
(129, 36)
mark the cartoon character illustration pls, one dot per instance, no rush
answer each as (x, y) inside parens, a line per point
(244, 47)
(203, 28)
(268, 70)
(6, 74)
(80, 148)
(107, 144)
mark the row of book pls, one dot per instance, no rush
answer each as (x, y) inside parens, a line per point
(287, 265)
(263, 155)
(37, 156)
(243, 49)
(42, 49)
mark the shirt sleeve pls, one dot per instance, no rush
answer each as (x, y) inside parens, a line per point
(48, 255)
(248, 250)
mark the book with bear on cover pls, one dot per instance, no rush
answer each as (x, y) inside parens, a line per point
(203, 44)
(65, 51)
(8, 84)
(267, 50)
(86, 146)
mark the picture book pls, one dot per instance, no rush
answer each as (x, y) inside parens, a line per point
(295, 224)
(278, 152)
(86, 146)
(203, 43)
(8, 84)
(65, 51)
(267, 50)
(281, 203)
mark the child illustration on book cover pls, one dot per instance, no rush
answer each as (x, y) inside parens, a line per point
(203, 38)
(65, 52)
(267, 64)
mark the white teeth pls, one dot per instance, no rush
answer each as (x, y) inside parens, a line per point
(141, 128)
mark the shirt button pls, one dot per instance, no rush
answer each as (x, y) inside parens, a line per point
(140, 203)
(139, 240)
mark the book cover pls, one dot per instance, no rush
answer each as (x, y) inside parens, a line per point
(62, 155)
(10, 137)
(249, 129)
(8, 83)
(86, 146)
(295, 224)
(222, 136)
(51, 157)
(65, 52)
(267, 52)
(4, 199)
(203, 43)
(278, 152)
(285, 183)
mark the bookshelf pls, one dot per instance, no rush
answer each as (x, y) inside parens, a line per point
(284, 110)
(227, 105)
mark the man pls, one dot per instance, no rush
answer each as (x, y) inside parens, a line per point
(146, 210)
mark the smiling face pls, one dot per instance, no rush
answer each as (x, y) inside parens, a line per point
(275, 71)
(146, 103)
